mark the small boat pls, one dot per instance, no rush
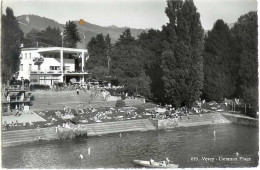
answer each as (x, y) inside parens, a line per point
(154, 164)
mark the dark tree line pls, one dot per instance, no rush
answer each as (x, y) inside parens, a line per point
(177, 65)
(10, 45)
(53, 36)
(49, 37)
(230, 61)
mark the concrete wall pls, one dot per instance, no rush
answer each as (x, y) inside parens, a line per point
(165, 123)
(242, 120)
(192, 120)
(26, 59)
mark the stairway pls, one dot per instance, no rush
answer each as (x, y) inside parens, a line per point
(24, 136)
(119, 126)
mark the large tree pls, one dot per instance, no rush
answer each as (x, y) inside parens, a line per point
(219, 63)
(10, 46)
(127, 65)
(151, 43)
(97, 48)
(245, 35)
(71, 35)
(182, 62)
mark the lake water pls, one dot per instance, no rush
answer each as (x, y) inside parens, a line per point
(110, 151)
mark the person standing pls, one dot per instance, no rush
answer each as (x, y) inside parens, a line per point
(77, 91)
(89, 150)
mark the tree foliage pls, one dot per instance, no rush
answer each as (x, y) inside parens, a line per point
(99, 72)
(98, 50)
(245, 35)
(71, 35)
(182, 62)
(219, 63)
(10, 47)
(152, 43)
(127, 64)
(48, 37)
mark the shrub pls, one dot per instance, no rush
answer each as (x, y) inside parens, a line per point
(32, 98)
(120, 103)
(123, 96)
(39, 87)
(26, 82)
(73, 132)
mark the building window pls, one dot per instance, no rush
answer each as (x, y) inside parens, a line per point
(34, 80)
(54, 67)
(67, 68)
(25, 56)
(21, 56)
(21, 67)
(30, 67)
(30, 57)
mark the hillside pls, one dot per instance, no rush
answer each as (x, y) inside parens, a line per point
(28, 22)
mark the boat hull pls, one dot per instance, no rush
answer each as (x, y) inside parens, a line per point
(154, 165)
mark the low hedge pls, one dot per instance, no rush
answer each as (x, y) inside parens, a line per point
(120, 103)
(66, 133)
(39, 87)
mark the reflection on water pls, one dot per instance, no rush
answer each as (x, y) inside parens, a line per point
(180, 145)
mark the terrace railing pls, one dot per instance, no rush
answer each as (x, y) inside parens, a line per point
(45, 72)
(68, 71)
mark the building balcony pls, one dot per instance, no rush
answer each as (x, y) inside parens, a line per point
(38, 61)
(75, 72)
(45, 72)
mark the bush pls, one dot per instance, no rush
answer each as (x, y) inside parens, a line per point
(39, 87)
(73, 132)
(15, 82)
(26, 82)
(123, 96)
(32, 98)
(120, 103)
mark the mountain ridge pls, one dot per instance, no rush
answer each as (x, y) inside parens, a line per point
(31, 21)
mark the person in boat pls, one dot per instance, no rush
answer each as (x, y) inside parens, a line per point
(81, 156)
(163, 163)
(167, 161)
(151, 161)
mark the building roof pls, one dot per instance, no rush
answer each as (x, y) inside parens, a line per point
(56, 49)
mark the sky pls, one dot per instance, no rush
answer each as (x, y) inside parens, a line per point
(131, 13)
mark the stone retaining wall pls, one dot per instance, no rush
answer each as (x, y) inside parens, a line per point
(242, 120)
(165, 123)
(192, 120)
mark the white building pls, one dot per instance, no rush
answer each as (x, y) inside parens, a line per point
(52, 64)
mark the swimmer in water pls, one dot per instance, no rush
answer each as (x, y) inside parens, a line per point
(89, 150)
(80, 156)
